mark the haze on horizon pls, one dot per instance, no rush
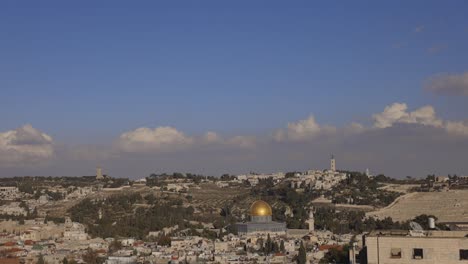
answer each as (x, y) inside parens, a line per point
(218, 87)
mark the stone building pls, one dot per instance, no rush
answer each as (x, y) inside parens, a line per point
(404, 247)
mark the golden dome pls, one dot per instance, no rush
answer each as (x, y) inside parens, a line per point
(260, 208)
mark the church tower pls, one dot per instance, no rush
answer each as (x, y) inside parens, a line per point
(332, 164)
(99, 175)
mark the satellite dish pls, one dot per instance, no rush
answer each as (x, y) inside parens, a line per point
(415, 226)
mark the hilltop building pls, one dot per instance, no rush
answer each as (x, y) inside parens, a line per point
(332, 164)
(260, 221)
(99, 175)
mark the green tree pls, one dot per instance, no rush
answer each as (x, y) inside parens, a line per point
(40, 259)
(302, 256)
(268, 245)
(164, 241)
(90, 257)
(335, 255)
(115, 246)
(275, 248)
(65, 261)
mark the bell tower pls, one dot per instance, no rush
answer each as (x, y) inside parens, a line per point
(332, 163)
(99, 175)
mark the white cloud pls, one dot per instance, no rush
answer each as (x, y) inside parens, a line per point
(25, 144)
(390, 115)
(302, 130)
(168, 138)
(449, 84)
(457, 128)
(212, 137)
(426, 115)
(147, 139)
(354, 128)
(397, 113)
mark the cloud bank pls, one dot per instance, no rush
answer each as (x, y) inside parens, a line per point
(147, 139)
(25, 145)
(303, 130)
(396, 141)
(397, 114)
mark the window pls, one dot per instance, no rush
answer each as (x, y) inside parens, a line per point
(463, 254)
(418, 253)
(395, 253)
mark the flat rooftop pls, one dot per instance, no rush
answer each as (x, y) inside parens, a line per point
(422, 234)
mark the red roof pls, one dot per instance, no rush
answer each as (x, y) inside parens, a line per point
(12, 250)
(328, 247)
(9, 260)
(29, 242)
(9, 244)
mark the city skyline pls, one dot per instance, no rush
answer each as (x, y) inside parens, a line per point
(233, 87)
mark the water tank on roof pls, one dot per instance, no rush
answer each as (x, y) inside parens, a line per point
(431, 223)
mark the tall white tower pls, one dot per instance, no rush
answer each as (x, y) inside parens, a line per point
(311, 220)
(99, 175)
(332, 164)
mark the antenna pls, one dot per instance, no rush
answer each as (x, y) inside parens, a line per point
(415, 226)
(416, 229)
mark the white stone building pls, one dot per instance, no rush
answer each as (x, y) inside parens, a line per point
(387, 247)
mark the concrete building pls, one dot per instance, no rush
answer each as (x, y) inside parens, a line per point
(260, 221)
(404, 247)
(13, 208)
(442, 179)
(9, 193)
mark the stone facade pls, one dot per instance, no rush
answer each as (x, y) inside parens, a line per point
(261, 227)
(390, 247)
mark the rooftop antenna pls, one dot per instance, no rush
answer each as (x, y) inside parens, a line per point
(416, 229)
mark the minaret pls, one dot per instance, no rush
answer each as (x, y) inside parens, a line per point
(332, 163)
(99, 173)
(311, 220)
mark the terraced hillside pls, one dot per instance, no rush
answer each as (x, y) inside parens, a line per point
(446, 206)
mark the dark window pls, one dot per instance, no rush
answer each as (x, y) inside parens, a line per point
(395, 253)
(463, 254)
(418, 253)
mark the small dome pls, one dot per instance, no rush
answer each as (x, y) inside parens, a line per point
(260, 208)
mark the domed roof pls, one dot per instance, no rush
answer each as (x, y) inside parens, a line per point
(260, 208)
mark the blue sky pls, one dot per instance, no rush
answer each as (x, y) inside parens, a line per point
(86, 72)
